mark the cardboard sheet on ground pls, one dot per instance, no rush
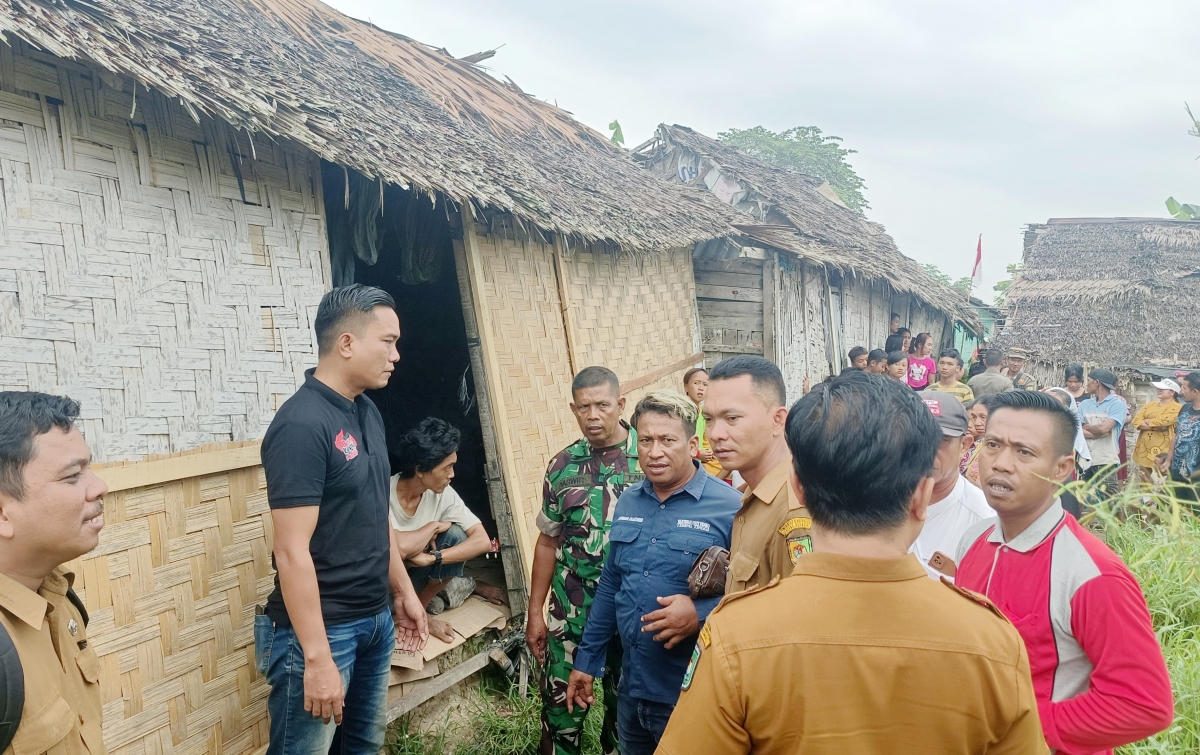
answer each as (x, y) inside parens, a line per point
(472, 617)
(405, 676)
(469, 619)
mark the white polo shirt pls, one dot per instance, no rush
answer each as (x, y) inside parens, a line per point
(947, 521)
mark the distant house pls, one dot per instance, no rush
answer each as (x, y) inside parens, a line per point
(1113, 292)
(817, 278)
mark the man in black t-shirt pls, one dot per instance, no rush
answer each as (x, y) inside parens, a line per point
(325, 640)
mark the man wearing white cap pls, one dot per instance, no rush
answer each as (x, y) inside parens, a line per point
(955, 504)
(1155, 423)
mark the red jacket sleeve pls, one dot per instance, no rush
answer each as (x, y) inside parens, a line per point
(1129, 696)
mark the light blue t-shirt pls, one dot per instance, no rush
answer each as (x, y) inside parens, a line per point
(1105, 450)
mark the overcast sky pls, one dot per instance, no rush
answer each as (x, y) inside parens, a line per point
(967, 119)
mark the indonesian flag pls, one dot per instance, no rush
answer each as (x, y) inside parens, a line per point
(977, 271)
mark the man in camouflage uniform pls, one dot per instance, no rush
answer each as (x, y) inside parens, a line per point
(583, 483)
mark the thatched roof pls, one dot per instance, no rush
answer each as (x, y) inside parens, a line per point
(378, 102)
(795, 212)
(1108, 291)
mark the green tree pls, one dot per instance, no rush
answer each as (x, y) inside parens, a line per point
(962, 285)
(1001, 288)
(807, 150)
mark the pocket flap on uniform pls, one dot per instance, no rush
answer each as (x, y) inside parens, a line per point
(44, 729)
(622, 532)
(689, 542)
(742, 567)
(89, 665)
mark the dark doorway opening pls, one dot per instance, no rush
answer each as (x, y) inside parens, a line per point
(413, 241)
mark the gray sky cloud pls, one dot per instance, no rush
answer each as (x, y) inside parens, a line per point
(967, 118)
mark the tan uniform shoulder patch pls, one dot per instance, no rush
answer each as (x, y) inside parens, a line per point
(975, 597)
(744, 593)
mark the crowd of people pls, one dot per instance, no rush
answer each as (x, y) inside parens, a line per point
(874, 569)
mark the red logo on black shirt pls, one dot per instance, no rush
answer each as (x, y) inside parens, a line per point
(346, 443)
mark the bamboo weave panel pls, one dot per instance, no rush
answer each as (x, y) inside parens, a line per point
(132, 275)
(171, 591)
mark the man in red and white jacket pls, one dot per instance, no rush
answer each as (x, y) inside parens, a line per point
(1098, 672)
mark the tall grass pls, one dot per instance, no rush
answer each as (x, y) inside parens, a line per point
(1159, 538)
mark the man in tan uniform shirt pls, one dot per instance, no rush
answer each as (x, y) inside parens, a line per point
(891, 662)
(745, 414)
(50, 513)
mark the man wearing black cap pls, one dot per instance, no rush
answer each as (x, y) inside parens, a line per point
(955, 505)
(1103, 425)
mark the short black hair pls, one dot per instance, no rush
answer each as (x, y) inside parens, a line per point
(594, 377)
(344, 303)
(894, 357)
(860, 446)
(951, 354)
(24, 415)
(857, 352)
(895, 316)
(877, 355)
(425, 446)
(764, 375)
(668, 403)
(894, 342)
(993, 357)
(1066, 424)
(1074, 371)
(1193, 380)
(903, 332)
(688, 375)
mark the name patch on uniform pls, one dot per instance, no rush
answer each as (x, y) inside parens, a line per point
(798, 546)
(576, 481)
(630, 519)
(691, 669)
(691, 524)
(795, 523)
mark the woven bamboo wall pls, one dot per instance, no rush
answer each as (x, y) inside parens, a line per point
(171, 591)
(132, 275)
(635, 317)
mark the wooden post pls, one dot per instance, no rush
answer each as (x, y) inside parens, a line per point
(768, 307)
(491, 415)
(564, 300)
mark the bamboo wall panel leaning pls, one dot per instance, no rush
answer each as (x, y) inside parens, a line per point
(171, 591)
(161, 270)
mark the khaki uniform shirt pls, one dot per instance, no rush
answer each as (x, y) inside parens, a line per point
(62, 713)
(770, 532)
(856, 655)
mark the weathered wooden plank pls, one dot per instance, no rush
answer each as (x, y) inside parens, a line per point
(729, 293)
(737, 323)
(740, 280)
(739, 265)
(727, 308)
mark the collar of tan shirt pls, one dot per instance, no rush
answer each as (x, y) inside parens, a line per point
(26, 604)
(858, 568)
(769, 487)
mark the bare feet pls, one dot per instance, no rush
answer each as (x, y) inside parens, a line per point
(490, 593)
(441, 629)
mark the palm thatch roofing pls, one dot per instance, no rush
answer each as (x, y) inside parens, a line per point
(381, 103)
(795, 212)
(1108, 291)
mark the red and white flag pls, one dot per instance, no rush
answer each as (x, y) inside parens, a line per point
(977, 271)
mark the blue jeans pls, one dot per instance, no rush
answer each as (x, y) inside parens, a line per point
(421, 576)
(640, 724)
(362, 650)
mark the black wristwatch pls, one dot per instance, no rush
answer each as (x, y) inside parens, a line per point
(437, 558)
